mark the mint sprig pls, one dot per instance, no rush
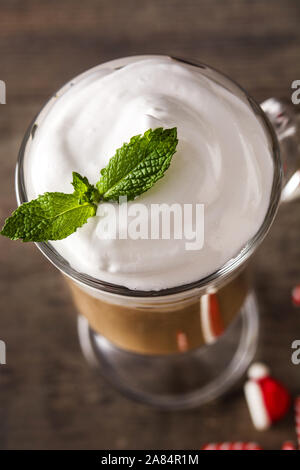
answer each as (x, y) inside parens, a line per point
(85, 191)
(52, 216)
(134, 169)
(136, 166)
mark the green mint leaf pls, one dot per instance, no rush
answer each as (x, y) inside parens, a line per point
(137, 165)
(52, 216)
(85, 191)
(80, 183)
(134, 169)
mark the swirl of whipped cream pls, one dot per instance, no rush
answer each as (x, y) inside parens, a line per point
(223, 161)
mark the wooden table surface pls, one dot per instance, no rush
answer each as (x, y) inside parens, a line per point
(49, 398)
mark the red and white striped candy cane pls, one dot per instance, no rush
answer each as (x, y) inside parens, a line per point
(296, 296)
(288, 445)
(211, 317)
(297, 420)
(232, 446)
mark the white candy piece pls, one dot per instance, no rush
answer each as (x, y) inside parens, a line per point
(256, 405)
(254, 396)
(258, 371)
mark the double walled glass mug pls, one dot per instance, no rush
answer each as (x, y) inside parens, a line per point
(184, 346)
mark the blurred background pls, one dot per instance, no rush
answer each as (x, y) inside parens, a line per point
(49, 398)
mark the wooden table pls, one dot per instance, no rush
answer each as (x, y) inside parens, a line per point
(49, 398)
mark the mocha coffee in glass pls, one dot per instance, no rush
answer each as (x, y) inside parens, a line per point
(223, 162)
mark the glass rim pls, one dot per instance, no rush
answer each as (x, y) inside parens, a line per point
(226, 269)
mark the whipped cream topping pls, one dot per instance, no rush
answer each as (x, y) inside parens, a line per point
(223, 161)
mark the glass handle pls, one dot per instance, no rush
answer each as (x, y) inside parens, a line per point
(285, 118)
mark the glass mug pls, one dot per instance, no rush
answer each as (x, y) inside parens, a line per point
(184, 346)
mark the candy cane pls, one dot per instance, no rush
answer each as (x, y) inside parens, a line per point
(210, 317)
(297, 420)
(232, 446)
(288, 445)
(296, 296)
